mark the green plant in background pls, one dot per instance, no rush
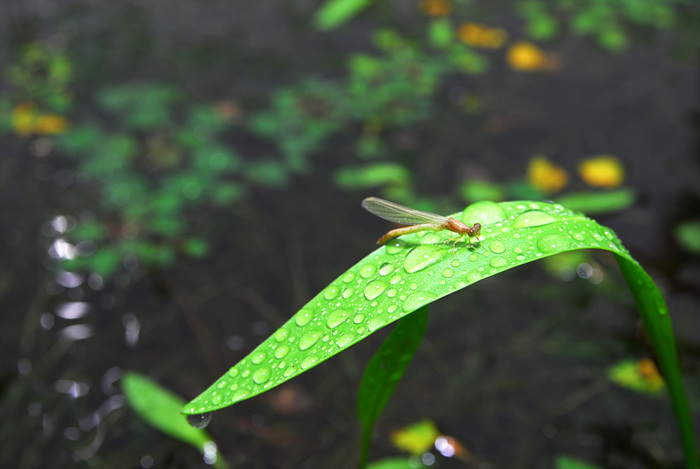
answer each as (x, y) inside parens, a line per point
(150, 170)
(608, 22)
(37, 88)
(159, 408)
(412, 271)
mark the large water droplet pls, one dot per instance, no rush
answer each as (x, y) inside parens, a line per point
(345, 339)
(532, 218)
(199, 420)
(337, 317)
(367, 270)
(281, 334)
(261, 375)
(308, 339)
(396, 246)
(258, 357)
(386, 269)
(348, 277)
(374, 289)
(240, 395)
(422, 257)
(447, 272)
(416, 300)
(331, 292)
(484, 212)
(552, 242)
(497, 247)
(303, 317)
(374, 324)
(282, 351)
(309, 361)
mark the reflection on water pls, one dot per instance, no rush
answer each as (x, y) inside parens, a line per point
(132, 327)
(72, 310)
(76, 332)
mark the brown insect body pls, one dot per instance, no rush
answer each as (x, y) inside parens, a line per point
(417, 219)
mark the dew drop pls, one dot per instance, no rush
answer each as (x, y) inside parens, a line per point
(303, 317)
(532, 218)
(221, 384)
(473, 276)
(553, 242)
(484, 212)
(348, 292)
(447, 273)
(258, 357)
(359, 317)
(416, 300)
(497, 247)
(282, 351)
(422, 257)
(386, 269)
(309, 361)
(391, 292)
(374, 289)
(455, 263)
(290, 371)
(473, 257)
(345, 339)
(233, 371)
(396, 246)
(499, 261)
(331, 292)
(308, 339)
(348, 277)
(337, 317)
(367, 270)
(374, 324)
(199, 420)
(240, 395)
(281, 334)
(261, 375)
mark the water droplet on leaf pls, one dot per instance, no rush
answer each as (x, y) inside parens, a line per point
(199, 420)
(532, 218)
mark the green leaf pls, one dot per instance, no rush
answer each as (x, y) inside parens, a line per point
(688, 235)
(160, 408)
(630, 374)
(440, 32)
(566, 462)
(477, 190)
(417, 269)
(396, 463)
(105, 261)
(385, 369)
(593, 202)
(196, 247)
(373, 175)
(335, 13)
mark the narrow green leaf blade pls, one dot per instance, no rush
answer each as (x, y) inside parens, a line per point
(335, 13)
(385, 369)
(160, 408)
(657, 324)
(417, 269)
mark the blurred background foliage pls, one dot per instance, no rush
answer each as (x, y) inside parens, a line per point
(183, 168)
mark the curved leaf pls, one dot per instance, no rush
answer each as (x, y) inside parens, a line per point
(160, 407)
(417, 269)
